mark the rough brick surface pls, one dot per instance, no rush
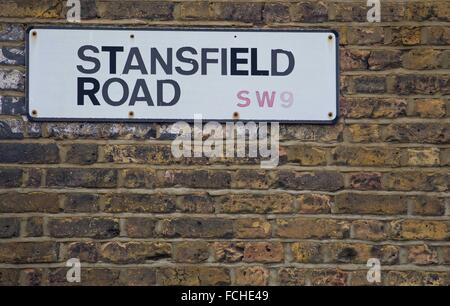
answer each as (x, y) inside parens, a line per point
(373, 185)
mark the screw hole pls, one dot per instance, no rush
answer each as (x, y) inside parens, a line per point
(132, 36)
(34, 33)
(131, 114)
(330, 114)
(330, 37)
(34, 112)
(235, 115)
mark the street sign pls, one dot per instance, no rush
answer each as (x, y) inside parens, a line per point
(156, 74)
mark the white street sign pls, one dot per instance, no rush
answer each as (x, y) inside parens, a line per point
(118, 74)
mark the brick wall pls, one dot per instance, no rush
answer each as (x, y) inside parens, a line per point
(376, 184)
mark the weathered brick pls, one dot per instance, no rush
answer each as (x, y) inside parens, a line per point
(366, 156)
(237, 11)
(141, 276)
(253, 179)
(12, 79)
(32, 277)
(307, 155)
(276, 12)
(429, 108)
(89, 227)
(317, 277)
(422, 255)
(9, 32)
(12, 56)
(445, 157)
(28, 252)
(384, 59)
(252, 228)
(10, 178)
(197, 228)
(307, 252)
(265, 252)
(407, 36)
(310, 11)
(138, 178)
(191, 276)
(31, 8)
(423, 157)
(370, 230)
(356, 203)
(251, 276)
(428, 206)
(418, 11)
(84, 154)
(363, 132)
(256, 203)
(34, 227)
(306, 132)
(81, 202)
(340, 252)
(417, 84)
(100, 131)
(148, 154)
(365, 181)
(328, 181)
(392, 12)
(359, 278)
(191, 251)
(289, 276)
(155, 10)
(349, 11)
(84, 251)
(415, 278)
(328, 277)
(365, 35)
(354, 59)
(90, 276)
(139, 203)
(195, 203)
(421, 59)
(134, 251)
(11, 129)
(228, 251)
(417, 132)
(441, 11)
(194, 178)
(9, 277)
(411, 229)
(29, 153)
(412, 180)
(33, 177)
(438, 35)
(314, 203)
(369, 84)
(9, 227)
(12, 105)
(305, 228)
(138, 227)
(445, 254)
(14, 202)
(86, 177)
(355, 107)
(194, 10)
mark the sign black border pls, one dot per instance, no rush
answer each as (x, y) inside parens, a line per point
(193, 29)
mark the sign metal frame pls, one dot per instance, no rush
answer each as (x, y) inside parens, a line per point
(31, 117)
